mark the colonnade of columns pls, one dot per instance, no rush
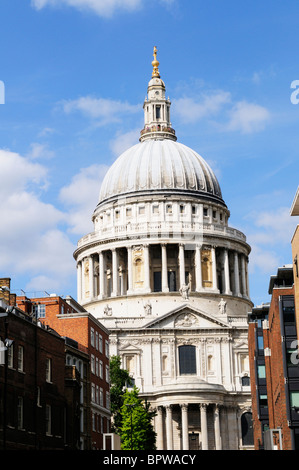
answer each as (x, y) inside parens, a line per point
(167, 443)
(122, 271)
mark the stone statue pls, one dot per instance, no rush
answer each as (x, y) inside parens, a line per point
(148, 308)
(184, 291)
(222, 306)
(108, 310)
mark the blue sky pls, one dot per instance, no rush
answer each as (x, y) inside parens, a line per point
(75, 74)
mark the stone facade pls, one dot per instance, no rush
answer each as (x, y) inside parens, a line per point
(168, 277)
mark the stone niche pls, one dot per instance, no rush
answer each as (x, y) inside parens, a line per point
(206, 266)
(138, 268)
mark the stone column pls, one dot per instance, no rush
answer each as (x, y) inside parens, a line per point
(198, 272)
(185, 435)
(101, 275)
(79, 281)
(204, 426)
(169, 436)
(91, 277)
(217, 427)
(159, 428)
(114, 292)
(182, 264)
(226, 273)
(244, 290)
(130, 271)
(214, 268)
(146, 268)
(236, 274)
(165, 287)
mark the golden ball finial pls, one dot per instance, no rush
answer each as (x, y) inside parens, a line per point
(155, 65)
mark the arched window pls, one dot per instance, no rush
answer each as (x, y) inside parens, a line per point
(187, 359)
(247, 429)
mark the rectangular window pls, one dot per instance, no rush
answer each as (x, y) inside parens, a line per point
(100, 344)
(187, 359)
(20, 359)
(20, 413)
(106, 348)
(92, 337)
(158, 112)
(101, 369)
(168, 209)
(294, 399)
(141, 210)
(39, 310)
(48, 420)
(261, 371)
(263, 400)
(107, 374)
(93, 393)
(260, 342)
(48, 370)
(92, 364)
(10, 356)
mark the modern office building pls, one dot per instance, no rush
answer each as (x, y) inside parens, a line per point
(274, 370)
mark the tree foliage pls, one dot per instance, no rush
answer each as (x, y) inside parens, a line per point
(132, 423)
(119, 380)
(137, 432)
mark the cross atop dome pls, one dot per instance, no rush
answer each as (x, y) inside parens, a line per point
(156, 107)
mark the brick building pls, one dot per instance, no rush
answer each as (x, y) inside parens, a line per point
(274, 370)
(73, 322)
(295, 256)
(39, 393)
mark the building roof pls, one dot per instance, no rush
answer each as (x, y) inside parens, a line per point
(160, 166)
(295, 205)
(283, 278)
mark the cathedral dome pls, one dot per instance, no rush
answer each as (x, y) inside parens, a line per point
(160, 166)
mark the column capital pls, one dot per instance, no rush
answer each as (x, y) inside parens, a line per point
(203, 406)
(184, 406)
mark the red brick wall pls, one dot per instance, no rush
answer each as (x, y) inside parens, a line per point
(275, 373)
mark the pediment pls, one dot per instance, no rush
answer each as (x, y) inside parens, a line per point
(130, 347)
(186, 317)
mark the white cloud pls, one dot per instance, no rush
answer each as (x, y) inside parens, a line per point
(31, 242)
(105, 8)
(105, 110)
(81, 197)
(242, 116)
(247, 117)
(191, 110)
(124, 141)
(270, 239)
(38, 150)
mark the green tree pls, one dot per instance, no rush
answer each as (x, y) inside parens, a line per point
(119, 380)
(136, 431)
